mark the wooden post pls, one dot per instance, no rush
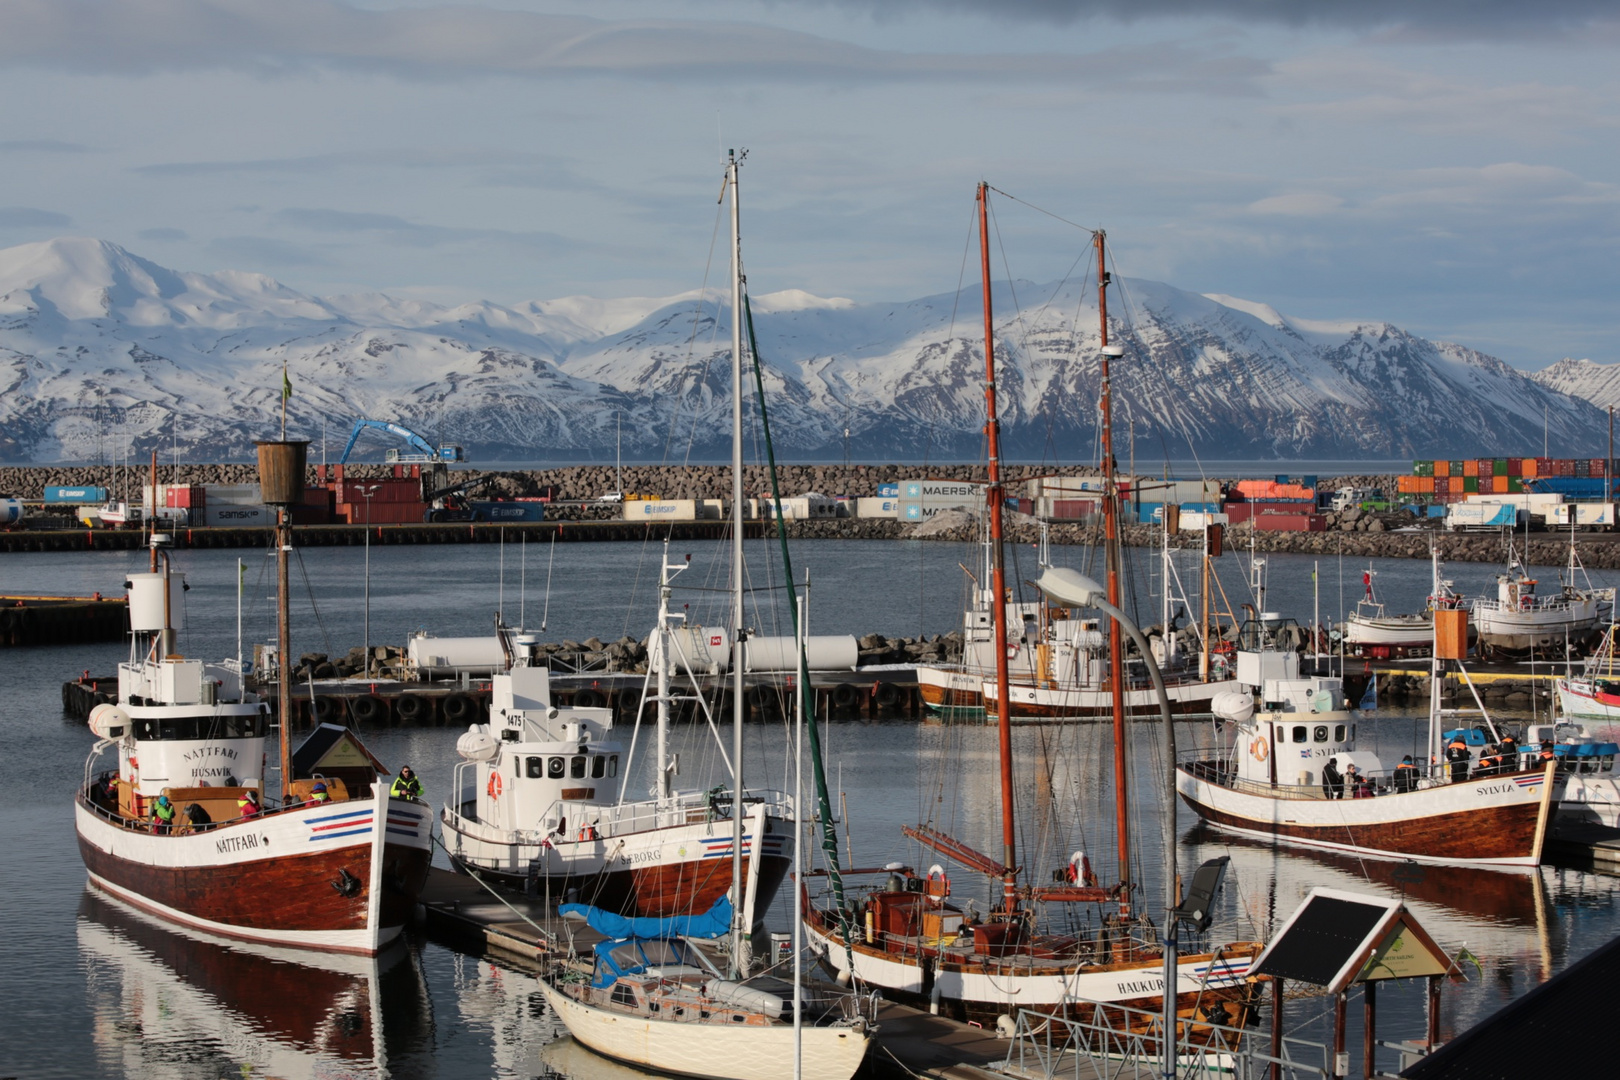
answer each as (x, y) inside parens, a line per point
(1434, 1012)
(1338, 1034)
(1369, 1029)
(1276, 1027)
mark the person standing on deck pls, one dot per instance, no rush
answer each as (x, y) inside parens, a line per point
(406, 785)
(1458, 756)
(1332, 781)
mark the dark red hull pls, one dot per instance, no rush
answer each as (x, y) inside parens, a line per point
(656, 891)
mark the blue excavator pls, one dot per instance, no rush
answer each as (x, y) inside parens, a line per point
(421, 451)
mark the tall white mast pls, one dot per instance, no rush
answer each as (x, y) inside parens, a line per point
(737, 929)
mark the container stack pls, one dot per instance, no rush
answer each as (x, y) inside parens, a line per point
(1452, 480)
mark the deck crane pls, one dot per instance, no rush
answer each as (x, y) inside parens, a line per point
(421, 451)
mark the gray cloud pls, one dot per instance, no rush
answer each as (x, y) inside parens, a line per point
(142, 36)
(41, 146)
(1483, 17)
(389, 229)
(164, 233)
(264, 251)
(26, 217)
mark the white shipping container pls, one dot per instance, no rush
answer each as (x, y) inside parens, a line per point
(660, 510)
(877, 507)
(236, 494)
(1193, 520)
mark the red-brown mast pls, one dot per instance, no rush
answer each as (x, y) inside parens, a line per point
(1116, 645)
(998, 571)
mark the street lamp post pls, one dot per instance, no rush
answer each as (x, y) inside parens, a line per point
(366, 492)
(1075, 589)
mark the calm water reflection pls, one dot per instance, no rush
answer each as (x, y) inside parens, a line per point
(109, 993)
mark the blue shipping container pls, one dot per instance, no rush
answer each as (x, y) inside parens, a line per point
(1568, 486)
(888, 491)
(1201, 508)
(511, 511)
(1147, 513)
(75, 495)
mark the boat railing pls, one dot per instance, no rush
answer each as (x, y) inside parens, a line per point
(1122, 1043)
(1382, 782)
(685, 808)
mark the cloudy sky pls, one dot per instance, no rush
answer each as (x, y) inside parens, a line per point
(1450, 166)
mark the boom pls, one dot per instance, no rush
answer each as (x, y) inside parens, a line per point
(421, 450)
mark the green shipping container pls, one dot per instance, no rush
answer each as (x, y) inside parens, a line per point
(1470, 485)
(1499, 467)
(1422, 468)
(1515, 485)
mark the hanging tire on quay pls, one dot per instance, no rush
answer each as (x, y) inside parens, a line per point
(370, 709)
(413, 709)
(845, 696)
(887, 695)
(589, 699)
(327, 709)
(458, 709)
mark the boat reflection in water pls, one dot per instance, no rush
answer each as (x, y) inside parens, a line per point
(167, 1001)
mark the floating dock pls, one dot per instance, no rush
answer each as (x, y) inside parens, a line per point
(62, 620)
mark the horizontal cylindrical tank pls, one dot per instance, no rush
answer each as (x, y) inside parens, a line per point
(11, 511)
(436, 656)
(146, 612)
(826, 652)
(703, 650)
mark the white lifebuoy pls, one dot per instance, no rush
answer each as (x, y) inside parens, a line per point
(937, 873)
(1260, 748)
(1012, 651)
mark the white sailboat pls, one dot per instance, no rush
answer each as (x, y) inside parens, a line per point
(650, 1000)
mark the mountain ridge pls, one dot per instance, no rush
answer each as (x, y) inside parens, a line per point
(103, 352)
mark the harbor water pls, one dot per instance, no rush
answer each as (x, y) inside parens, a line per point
(99, 990)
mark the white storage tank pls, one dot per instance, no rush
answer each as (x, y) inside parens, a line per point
(705, 650)
(437, 657)
(11, 511)
(826, 652)
(146, 613)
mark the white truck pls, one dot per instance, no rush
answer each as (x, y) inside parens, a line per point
(1587, 517)
(1482, 516)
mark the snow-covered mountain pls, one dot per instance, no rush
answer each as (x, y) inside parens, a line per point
(1584, 379)
(101, 351)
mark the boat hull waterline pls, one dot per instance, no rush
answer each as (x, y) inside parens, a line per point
(353, 892)
(1488, 821)
(745, 1052)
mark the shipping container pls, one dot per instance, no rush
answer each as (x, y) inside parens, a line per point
(1072, 509)
(1442, 468)
(1291, 522)
(308, 514)
(1514, 485)
(237, 514)
(1201, 508)
(1470, 468)
(661, 510)
(75, 496)
(188, 496)
(1470, 484)
(1193, 520)
(888, 491)
(1515, 466)
(1583, 468)
(1425, 468)
(889, 506)
(1531, 469)
(505, 510)
(1566, 468)
(388, 513)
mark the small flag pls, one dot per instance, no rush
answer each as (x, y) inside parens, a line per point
(1369, 700)
(286, 384)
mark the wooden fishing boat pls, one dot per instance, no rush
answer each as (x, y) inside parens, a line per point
(1520, 622)
(911, 941)
(1272, 778)
(1372, 633)
(165, 830)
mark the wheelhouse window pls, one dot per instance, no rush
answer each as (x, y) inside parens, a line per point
(1321, 733)
(554, 768)
(535, 768)
(1299, 733)
(576, 767)
(598, 766)
(613, 764)
(1338, 733)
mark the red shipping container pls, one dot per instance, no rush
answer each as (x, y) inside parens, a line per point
(308, 514)
(1072, 509)
(1515, 466)
(1291, 523)
(1566, 467)
(187, 497)
(1238, 512)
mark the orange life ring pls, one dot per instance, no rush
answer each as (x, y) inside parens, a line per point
(1260, 748)
(494, 785)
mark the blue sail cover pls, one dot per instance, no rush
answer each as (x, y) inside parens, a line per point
(716, 922)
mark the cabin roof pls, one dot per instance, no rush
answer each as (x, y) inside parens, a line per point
(325, 741)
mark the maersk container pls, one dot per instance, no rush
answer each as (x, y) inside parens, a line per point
(75, 495)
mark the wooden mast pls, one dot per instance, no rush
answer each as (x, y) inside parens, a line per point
(1116, 644)
(998, 570)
